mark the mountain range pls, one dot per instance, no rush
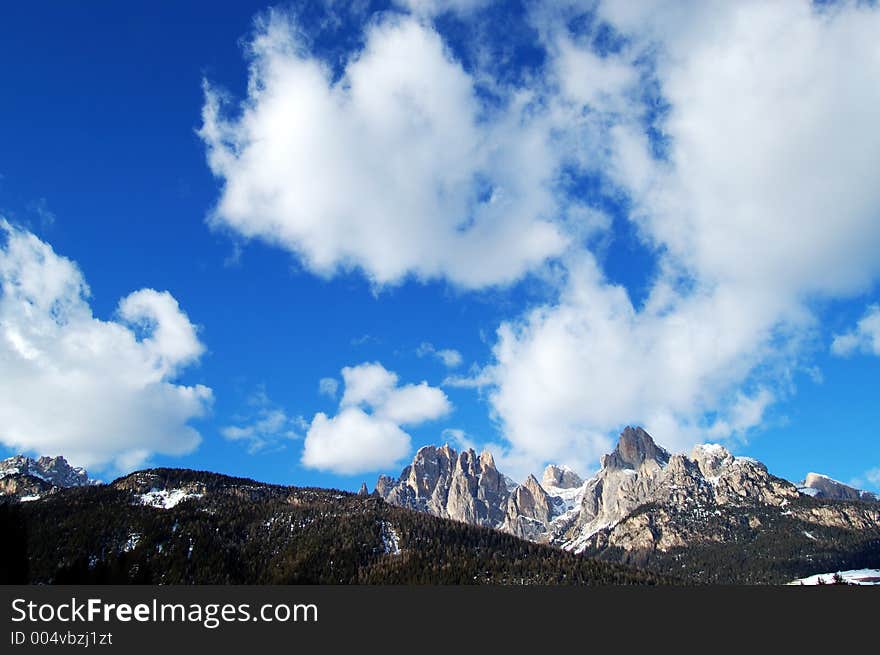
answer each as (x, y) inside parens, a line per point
(705, 516)
(646, 506)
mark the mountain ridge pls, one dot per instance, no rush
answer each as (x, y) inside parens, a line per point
(694, 515)
(645, 503)
(28, 478)
(179, 526)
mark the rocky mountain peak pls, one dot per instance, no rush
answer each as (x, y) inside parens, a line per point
(711, 458)
(821, 486)
(634, 448)
(30, 478)
(560, 477)
(642, 499)
(529, 510)
(54, 470)
(533, 485)
(446, 483)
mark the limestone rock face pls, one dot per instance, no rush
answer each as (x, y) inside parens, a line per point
(443, 482)
(638, 473)
(363, 491)
(634, 448)
(643, 499)
(529, 511)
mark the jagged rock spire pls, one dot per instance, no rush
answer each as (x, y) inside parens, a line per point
(634, 448)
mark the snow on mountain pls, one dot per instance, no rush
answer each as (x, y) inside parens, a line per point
(390, 539)
(854, 577)
(29, 478)
(165, 498)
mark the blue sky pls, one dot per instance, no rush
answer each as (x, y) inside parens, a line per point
(613, 215)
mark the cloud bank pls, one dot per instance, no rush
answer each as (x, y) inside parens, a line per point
(739, 141)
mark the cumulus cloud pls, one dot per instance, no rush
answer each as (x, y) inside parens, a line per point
(372, 386)
(99, 392)
(366, 433)
(864, 337)
(396, 168)
(354, 442)
(568, 374)
(450, 357)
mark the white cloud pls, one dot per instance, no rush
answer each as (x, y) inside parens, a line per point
(353, 442)
(173, 342)
(414, 404)
(98, 392)
(328, 387)
(368, 384)
(864, 337)
(366, 433)
(372, 386)
(395, 169)
(266, 428)
(765, 202)
(450, 357)
(568, 374)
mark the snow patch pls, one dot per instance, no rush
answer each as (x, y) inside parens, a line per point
(28, 499)
(808, 491)
(166, 498)
(390, 539)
